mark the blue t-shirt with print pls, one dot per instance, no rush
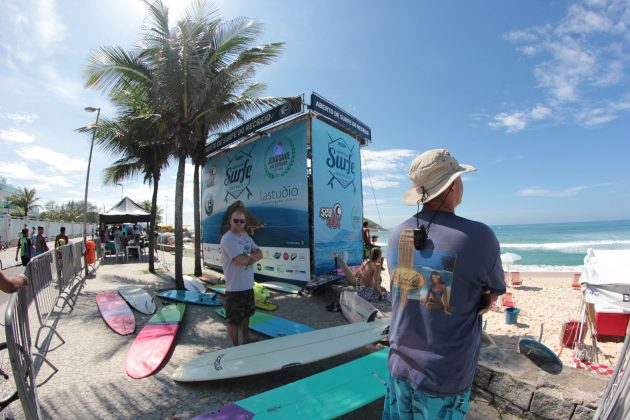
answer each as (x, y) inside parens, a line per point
(435, 329)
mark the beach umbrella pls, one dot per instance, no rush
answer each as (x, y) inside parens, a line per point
(509, 258)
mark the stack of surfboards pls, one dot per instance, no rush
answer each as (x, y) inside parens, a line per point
(261, 295)
(326, 395)
(281, 353)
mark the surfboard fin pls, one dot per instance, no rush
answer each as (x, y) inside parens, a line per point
(372, 316)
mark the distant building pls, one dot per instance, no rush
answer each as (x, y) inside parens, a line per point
(7, 190)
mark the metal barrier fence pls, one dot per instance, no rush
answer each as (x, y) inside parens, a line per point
(55, 280)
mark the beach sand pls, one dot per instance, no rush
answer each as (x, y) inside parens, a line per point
(545, 298)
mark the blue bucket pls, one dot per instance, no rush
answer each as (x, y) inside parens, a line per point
(511, 315)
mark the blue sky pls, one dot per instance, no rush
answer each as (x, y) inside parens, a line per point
(536, 95)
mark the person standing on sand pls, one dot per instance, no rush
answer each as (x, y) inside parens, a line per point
(239, 253)
(434, 348)
(367, 242)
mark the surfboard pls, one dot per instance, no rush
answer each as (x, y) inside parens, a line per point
(318, 281)
(116, 313)
(356, 309)
(273, 326)
(282, 287)
(153, 342)
(186, 296)
(138, 299)
(261, 295)
(281, 353)
(541, 355)
(325, 395)
(192, 284)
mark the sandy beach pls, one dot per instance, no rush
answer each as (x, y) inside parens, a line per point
(547, 299)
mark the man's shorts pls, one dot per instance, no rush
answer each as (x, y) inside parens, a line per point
(239, 305)
(403, 402)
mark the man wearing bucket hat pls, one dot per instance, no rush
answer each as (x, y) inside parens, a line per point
(434, 342)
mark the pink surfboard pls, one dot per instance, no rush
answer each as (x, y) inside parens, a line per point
(153, 343)
(116, 313)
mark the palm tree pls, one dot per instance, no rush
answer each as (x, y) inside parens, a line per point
(189, 72)
(147, 205)
(24, 200)
(138, 140)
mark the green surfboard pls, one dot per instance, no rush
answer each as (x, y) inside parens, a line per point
(325, 395)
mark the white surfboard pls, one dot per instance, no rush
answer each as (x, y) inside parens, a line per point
(138, 299)
(282, 287)
(281, 353)
(356, 309)
(192, 284)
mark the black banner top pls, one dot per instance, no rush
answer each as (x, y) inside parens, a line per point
(328, 109)
(284, 110)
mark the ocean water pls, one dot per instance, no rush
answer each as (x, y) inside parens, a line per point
(555, 246)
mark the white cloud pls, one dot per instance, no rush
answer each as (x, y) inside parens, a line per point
(49, 28)
(540, 112)
(387, 160)
(13, 135)
(543, 192)
(380, 182)
(510, 122)
(23, 172)
(19, 118)
(578, 56)
(57, 161)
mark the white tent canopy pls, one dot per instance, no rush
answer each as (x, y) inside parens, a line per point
(606, 275)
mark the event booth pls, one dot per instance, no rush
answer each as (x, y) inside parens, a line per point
(298, 173)
(125, 211)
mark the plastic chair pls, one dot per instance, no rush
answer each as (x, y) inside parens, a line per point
(516, 278)
(507, 300)
(120, 252)
(576, 281)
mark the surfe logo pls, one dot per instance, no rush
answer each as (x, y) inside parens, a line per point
(340, 160)
(238, 175)
(332, 215)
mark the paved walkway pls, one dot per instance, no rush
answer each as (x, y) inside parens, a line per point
(92, 382)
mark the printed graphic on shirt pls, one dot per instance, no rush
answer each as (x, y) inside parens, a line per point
(426, 278)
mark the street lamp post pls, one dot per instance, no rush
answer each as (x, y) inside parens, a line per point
(122, 190)
(87, 181)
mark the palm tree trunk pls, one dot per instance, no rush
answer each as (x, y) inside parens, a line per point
(156, 180)
(179, 221)
(198, 271)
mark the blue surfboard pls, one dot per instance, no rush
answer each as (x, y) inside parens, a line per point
(273, 326)
(187, 296)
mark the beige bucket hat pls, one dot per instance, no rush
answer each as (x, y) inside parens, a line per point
(431, 173)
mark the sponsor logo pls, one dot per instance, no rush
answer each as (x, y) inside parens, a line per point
(285, 256)
(259, 267)
(293, 256)
(269, 268)
(238, 175)
(284, 193)
(277, 255)
(279, 269)
(289, 270)
(341, 163)
(332, 215)
(279, 158)
(209, 204)
(217, 362)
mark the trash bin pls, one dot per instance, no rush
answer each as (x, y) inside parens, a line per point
(90, 250)
(511, 315)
